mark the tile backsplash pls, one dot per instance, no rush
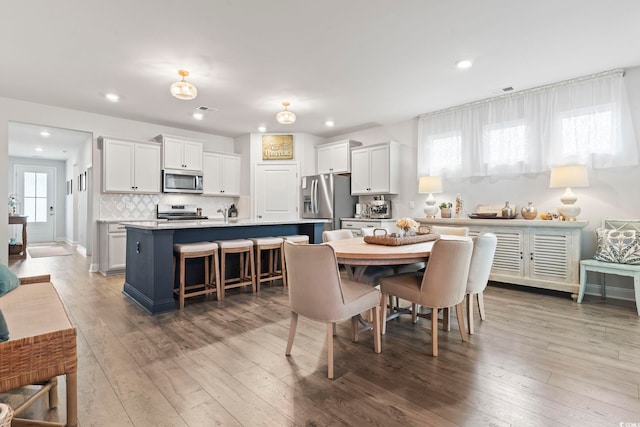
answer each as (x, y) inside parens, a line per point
(143, 206)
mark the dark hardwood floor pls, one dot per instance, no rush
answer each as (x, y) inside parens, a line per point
(539, 359)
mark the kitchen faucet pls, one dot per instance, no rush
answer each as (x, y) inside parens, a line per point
(225, 213)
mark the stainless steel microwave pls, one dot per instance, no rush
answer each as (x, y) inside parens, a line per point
(177, 181)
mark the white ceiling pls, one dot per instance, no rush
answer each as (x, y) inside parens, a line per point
(360, 63)
(25, 140)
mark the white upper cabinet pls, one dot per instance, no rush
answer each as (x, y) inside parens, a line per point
(335, 157)
(375, 169)
(130, 166)
(221, 174)
(179, 153)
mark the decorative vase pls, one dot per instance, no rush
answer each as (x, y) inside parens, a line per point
(529, 212)
(507, 211)
(445, 212)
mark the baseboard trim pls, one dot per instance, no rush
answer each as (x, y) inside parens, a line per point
(614, 292)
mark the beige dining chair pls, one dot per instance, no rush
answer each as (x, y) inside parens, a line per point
(452, 231)
(484, 249)
(326, 297)
(363, 273)
(443, 284)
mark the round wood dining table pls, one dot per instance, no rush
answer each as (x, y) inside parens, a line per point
(356, 251)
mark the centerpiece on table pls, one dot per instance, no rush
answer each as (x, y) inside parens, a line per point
(407, 226)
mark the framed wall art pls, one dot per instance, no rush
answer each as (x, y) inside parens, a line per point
(277, 147)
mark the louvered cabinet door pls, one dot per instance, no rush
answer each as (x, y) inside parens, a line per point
(550, 256)
(509, 257)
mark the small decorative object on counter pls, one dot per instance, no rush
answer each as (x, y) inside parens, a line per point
(529, 212)
(407, 226)
(233, 211)
(458, 205)
(507, 211)
(445, 209)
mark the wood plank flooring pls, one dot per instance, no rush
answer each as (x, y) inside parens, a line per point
(539, 359)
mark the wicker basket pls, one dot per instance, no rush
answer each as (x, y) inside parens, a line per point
(6, 415)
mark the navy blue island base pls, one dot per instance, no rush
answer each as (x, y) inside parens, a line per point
(149, 279)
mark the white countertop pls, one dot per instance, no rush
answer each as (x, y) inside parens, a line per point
(367, 219)
(210, 223)
(503, 222)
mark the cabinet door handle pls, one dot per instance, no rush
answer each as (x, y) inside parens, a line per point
(521, 255)
(531, 256)
(138, 249)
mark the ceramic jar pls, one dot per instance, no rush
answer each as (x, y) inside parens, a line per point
(529, 212)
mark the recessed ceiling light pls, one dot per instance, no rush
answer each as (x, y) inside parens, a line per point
(38, 149)
(45, 134)
(465, 63)
(262, 129)
(113, 97)
(329, 123)
(198, 116)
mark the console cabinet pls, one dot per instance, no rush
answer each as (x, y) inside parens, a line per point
(541, 254)
(375, 169)
(335, 157)
(130, 166)
(221, 174)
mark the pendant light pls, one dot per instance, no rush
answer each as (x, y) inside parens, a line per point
(285, 116)
(182, 89)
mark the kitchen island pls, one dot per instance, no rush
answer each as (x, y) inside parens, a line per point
(149, 279)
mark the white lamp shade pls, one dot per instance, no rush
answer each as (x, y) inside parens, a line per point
(569, 176)
(285, 117)
(430, 184)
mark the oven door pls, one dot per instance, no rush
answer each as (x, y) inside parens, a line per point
(176, 181)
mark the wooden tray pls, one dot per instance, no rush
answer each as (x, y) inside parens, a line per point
(399, 241)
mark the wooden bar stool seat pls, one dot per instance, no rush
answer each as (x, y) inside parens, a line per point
(206, 250)
(273, 248)
(246, 274)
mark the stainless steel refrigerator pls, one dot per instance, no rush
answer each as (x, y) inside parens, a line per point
(327, 196)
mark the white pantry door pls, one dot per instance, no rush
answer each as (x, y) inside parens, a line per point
(36, 190)
(276, 192)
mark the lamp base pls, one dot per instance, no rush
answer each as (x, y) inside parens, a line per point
(569, 212)
(431, 211)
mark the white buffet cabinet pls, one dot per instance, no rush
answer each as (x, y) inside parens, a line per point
(541, 254)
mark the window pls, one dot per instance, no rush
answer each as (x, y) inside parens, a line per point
(445, 153)
(504, 144)
(587, 131)
(35, 196)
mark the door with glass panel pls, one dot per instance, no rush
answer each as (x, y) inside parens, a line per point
(35, 187)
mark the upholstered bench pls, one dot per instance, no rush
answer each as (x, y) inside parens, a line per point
(41, 345)
(620, 269)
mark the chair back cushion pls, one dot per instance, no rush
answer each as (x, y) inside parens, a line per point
(445, 280)
(484, 248)
(331, 235)
(618, 246)
(314, 280)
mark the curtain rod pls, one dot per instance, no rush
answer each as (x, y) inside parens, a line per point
(618, 71)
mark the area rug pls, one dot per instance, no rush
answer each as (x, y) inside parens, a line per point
(45, 251)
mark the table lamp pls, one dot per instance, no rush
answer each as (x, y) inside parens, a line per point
(569, 176)
(430, 184)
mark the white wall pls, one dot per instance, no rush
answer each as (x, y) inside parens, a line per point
(98, 125)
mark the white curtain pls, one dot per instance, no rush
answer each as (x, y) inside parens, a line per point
(581, 121)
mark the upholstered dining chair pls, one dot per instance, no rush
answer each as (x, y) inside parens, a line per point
(484, 249)
(365, 274)
(317, 292)
(442, 285)
(452, 231)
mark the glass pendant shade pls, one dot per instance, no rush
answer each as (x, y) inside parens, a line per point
(285, 117)
(183, 89)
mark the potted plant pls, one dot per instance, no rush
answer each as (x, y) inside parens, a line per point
(445, 209)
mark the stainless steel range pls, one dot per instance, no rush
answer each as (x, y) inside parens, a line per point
(178, 212)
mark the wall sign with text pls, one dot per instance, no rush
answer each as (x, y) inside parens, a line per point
(277, 147)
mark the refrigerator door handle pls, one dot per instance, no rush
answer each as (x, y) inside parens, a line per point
(314, 195)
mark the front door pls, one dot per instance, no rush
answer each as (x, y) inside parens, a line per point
(276, 192)
(35, 188)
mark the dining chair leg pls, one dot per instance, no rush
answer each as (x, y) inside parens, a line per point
(53, 394)
(434, 331)
(481, 305)
(292, 331)
(354, 328)
(414, 312)
(72, 399)
(469, 301)
(330, 351)
(446, 319)
(383, 313)
(333, 328)
(460, 318)
(377, 344)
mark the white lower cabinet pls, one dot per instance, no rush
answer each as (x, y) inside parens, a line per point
(541, 254)
(356, 225)
(113, 248)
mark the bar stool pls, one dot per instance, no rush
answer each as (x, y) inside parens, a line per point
(247, 274)
(298, 239)
(184, 251)
(273, 246)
